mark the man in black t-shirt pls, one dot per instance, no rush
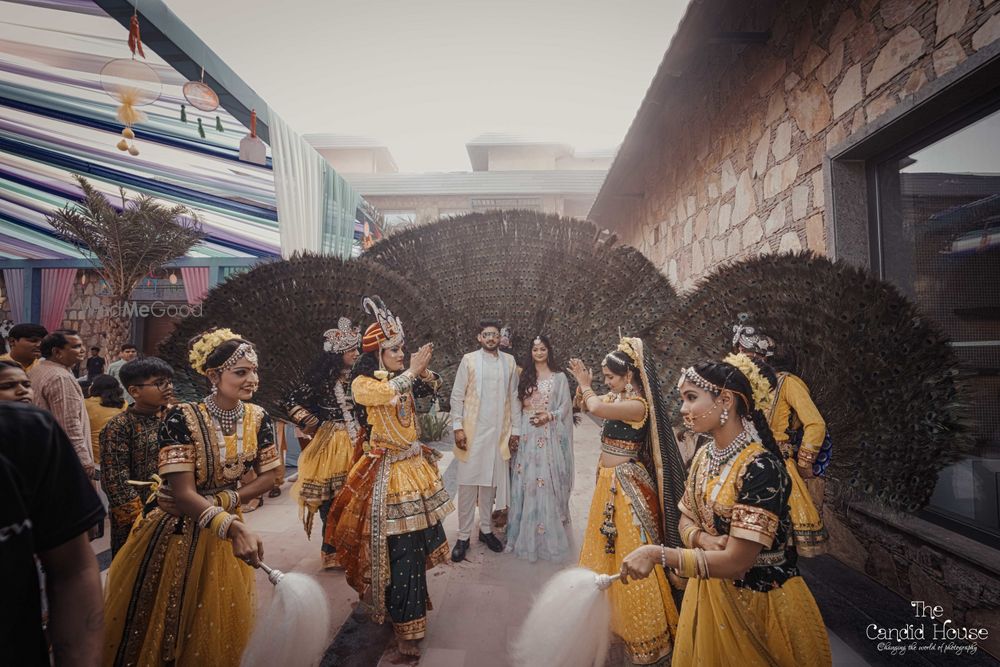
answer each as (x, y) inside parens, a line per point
(95, 363)
(46, 506)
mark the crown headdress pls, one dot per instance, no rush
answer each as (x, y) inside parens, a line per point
(748, 337)
(386, 331)
(342, 339)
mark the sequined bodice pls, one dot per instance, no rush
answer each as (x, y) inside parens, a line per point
(538, 400)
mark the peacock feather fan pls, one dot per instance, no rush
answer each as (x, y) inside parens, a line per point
(538, 273)
(284, 307)
(883, 377)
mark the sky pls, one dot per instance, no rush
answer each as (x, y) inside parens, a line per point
(426, 76)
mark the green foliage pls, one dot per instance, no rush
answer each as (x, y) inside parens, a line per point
(433, 424)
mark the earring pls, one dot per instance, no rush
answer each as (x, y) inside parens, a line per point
(724, 417)
(215, 388)
(628, 390)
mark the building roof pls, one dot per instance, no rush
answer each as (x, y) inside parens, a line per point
(478, 147)
(326, 142)
(580, 182)
(322, 140)
(699, 26)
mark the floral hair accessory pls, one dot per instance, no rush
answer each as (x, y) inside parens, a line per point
(208, 342)
(758, 383)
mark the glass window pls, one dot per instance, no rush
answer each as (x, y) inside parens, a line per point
(395, 219)
(939, 242)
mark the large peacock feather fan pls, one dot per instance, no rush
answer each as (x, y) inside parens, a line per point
(538, 273)
(884, 379)
(284, 308)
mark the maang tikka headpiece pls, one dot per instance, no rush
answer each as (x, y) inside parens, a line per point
(342, 339)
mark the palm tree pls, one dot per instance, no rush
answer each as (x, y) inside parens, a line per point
(126, 243)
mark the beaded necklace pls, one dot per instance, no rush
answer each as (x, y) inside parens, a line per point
(227, 418)
(717, 458)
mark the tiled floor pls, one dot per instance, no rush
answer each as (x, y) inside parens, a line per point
(478, 604)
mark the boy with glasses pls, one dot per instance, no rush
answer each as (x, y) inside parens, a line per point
(129, 446)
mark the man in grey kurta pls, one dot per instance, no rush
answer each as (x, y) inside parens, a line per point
(486, 416)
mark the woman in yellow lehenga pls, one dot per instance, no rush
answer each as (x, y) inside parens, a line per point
(323, 409)
(628, 509)
(181, 589)
(745, 602)
(789, 411)
(386, 523)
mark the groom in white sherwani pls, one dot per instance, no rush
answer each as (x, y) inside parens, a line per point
(486, 416)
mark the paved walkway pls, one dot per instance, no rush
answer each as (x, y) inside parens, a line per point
(478, 604)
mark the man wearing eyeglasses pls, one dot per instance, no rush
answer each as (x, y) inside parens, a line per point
(486, 416)
(129, 446)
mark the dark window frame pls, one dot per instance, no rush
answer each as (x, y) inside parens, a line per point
(968, 93)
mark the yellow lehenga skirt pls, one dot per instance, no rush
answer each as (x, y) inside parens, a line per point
(176, 594)
(807, 526)
(323, 467)
(643, 613)
(724, 625)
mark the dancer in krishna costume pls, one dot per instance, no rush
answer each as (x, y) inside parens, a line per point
(745, 602)
(181, 589)
(792, 416)
(323, 409)
(639, 481)
(386, 522)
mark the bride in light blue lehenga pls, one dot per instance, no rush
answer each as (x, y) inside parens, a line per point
(542, 469)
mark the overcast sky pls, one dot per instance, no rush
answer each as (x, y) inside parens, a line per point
(425, 76)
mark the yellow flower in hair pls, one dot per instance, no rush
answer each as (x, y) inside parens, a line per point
(206, 345)
(762, 394)
(625, 345)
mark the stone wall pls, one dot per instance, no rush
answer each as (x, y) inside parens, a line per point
(734, 168)
(84, 308)
(921, 561)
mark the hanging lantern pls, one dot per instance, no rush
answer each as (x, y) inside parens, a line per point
(83, 277)
(252, 149)
(172, 278)
(133, 84)
(200, 95)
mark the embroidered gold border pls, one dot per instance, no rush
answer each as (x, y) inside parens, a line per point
(754, 523)
(415, 629)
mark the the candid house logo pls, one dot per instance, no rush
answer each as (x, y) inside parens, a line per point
(154, 309)
(940, 636)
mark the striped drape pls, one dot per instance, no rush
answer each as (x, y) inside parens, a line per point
(57, 286)
(195, 283)
(13, 281)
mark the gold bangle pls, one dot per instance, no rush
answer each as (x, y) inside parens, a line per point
(208, 515)
(702, 565)
(218, 519)
(686, 566)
